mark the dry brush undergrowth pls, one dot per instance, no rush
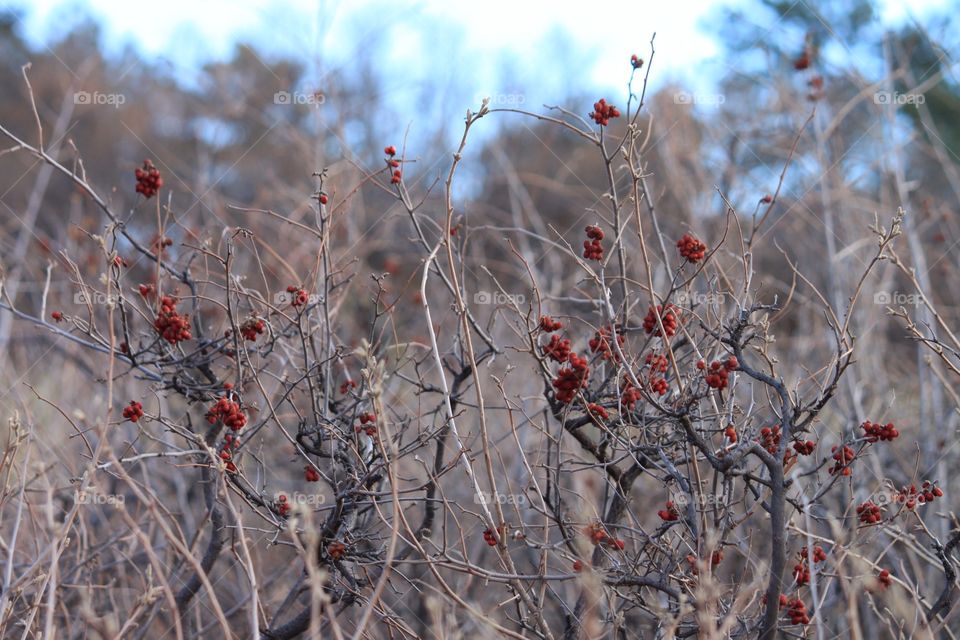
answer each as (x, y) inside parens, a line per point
(525, 427)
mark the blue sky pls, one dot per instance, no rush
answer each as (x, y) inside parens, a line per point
(494, 46)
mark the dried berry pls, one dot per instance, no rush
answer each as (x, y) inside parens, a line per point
(172, 326)
(691, 248)
(669, 318)
(148, 179)
(602, 112)
(133, 412)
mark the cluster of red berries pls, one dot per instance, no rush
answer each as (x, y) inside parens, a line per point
(146, 290)
(549, 325)
(283, 507)
(869, 513)
(770, 439)
(578, 565)
(394, 164)
(310, 474)
(346, 385)
(670, 514)
(636, 61)
(571, 379)
(148, 179)
(884, 578)
(718, 373)
(133, 412)
(797, 611)
(598, 535)
(659, 386)
(730, 434)
(669, 318)
(602, 112)
(228, 412)
(172, 326)
(367, 424)
(298, 296)
(57, 316)
(598, 411)
(691, 248)
(600, 343)
(227, 458)
(252, 328)
(336, 549)
(658, 364)
(909, 496)
(558, 349)
(804, 447)
(490, 538)
(801, 570)
(629, 394)
(876, 432)
(843, 457)
(592, 249)
(819, 555)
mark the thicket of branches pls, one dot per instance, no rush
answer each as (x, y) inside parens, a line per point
(281, 380)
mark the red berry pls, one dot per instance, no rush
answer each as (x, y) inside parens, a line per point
(133, 412)
(148, 179)
(602, 112)
(669, 318)
(691, 248)
(549, 325)
(557, 349)
(172, 326)
(884, 578)
(571, 379)
(879, 432)
(869, 513)
(592, 249)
